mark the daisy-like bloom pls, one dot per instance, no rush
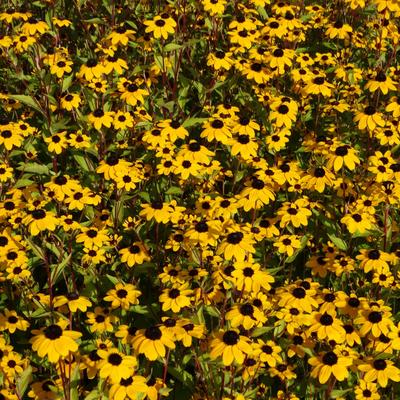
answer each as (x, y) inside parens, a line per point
(243, 145)
(280, 59)
(369, 118)
(249, 277)
(358, 222)
(216, 129)
(114, 64)
(121, 35)
(300, 295)
(131, 92)
(10, 138)
(12, 364)
(134, 254)
(255, 195)
(283, 112)
(115, 365)
(319, 86)
(339, 30)
(160, 26)
(394, 106)
(176, 298)
(220, 60)
(10, 321)
(328, 327)
(32, 26)
(343, 155)
(55, 341)
(214, 7)
(237, 244)
(380, 82)
(123, 120)
(6, 172)
(46, 389)
(99, 118)
(318, 178)
(278, 140)
(374, 320)
(61, 67)
(74, 302)
(173, 129)
(23, 42)
(379, 370)
(189, 331)
(330, 363)
(70, 101)
(92, 69)
(232, 346)
(152, 342)
(79, 140)
(366, 391)
(157, 210)
(268, 352)
(113, 166)
(288, 244)
(245, 315)
(296, 213)
(92, 236)
(57, 143)
(61, 22)
(101, 320)
(40, 220)
(132, 388)
(373, 259)
(123, 295)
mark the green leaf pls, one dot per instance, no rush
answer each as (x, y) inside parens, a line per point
(23, 381)
(193, 121)
(112, 279)
(37, 250)
(81, 160)
(279, 328)
(57, 271)
(23, 183)
(145, 196)
(338, 242)
(94, 395)
(261, 331)
(74, 395)
(28, 101)
(212, 311)
(172, 46)
(339, 393)
(174, 190)
(35, 168)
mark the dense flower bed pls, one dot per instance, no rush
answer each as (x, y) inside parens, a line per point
(199, 199)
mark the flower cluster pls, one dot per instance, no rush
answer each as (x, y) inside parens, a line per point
(198, 200)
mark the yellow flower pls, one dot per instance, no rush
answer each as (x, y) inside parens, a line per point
(160, 26)
(54, 341)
